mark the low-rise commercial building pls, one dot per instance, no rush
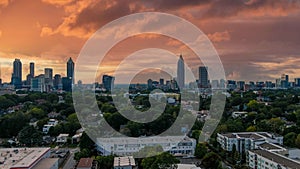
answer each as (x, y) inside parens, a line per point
(124, 162)
(85, 163)
(47, 163)
(22, 158)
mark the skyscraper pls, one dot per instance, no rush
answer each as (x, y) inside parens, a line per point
(149, 84)
(31, 66)
(48, 79)
(49, 73)
(31, 74)
(108, 82)
(203, 76)
(38, 83)
(70, 69)
(284, 80)
(161, 81)
(180, 72)
(57, 83)
(16, 78)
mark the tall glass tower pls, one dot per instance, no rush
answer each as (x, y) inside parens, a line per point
(180, 72)
(70, 69)
(31, 66)
(203, 77)
(16, 78)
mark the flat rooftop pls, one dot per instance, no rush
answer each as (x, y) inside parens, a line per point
(85, 163)
(46, 163)
(145, 140)
(187, 166)
(20, 157)
(124, 161)
(270, 146)
(251, 135)
(282, 160)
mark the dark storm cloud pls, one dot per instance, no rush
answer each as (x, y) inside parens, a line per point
(230, 8)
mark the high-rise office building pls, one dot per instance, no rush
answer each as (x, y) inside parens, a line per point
(180, 72)
(284, 81)
(108, 82)
(16, 78)
(48, 73)
(203, 76)
(57, 83)
(214, 84)
(240, 85)
(31, 67)
(161, 82)
(297, 82)
(149, 84)
(222, 83)
(48, 79)
(31, 74)
(231, 84)
(28, 79)
(70, 69)
(66, 84)
(38, 84)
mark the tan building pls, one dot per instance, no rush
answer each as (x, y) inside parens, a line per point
(85, 163)
(124, 162)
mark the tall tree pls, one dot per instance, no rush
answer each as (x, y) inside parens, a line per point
(162, 161)
(105, 162)
(297, 141)
(211, 161)
(86, 142)
(289, 139)
(30, 136)
(200, 150)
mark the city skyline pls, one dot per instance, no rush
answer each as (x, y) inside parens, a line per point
(50, 39)
(104, 84)
(65, 83)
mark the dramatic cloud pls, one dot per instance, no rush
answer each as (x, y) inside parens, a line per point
(58, 2)
(4, 3)
(252, 8)
(219, 36)
(234, 75)
(256, 39)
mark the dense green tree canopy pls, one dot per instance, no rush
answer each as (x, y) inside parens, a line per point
(161, 161)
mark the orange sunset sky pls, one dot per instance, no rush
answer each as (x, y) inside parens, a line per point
(256, 39)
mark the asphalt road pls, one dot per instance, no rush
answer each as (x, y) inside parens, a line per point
(70, 163)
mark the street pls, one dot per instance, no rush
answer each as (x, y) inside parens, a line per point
(70, 163)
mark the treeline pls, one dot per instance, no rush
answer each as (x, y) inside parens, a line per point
(280, 114)
(34, 109)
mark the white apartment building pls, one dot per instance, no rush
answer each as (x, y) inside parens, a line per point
(123, 146)
(51, 123)
(62, 138)
(265, 159)
(247, 140)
